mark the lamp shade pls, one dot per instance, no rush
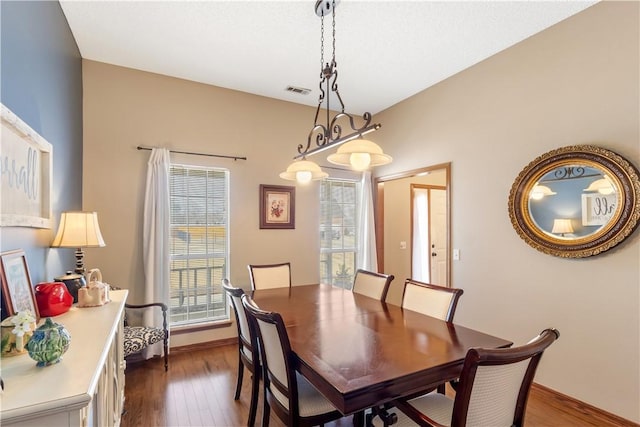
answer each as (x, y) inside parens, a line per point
(602, 186)
(539, 191)
(561, 226)
(303, 171)
(78, 230)
(360, 154)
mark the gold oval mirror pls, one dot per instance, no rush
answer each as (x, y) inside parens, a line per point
(575, 201)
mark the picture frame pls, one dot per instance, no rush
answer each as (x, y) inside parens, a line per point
(277, 207)
(27, 177)
(17, 290)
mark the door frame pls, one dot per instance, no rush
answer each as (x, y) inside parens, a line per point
(379, 209)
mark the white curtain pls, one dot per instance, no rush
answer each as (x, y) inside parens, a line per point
(367, 255)
(155, 242)
(420, 250)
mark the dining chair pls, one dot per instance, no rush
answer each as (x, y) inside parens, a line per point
(248, 355)
(493, 390)
(291, 397)
(374, 285)
(432, 300)
(268, 276)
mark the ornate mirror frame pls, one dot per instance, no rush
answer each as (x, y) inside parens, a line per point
(577, 162)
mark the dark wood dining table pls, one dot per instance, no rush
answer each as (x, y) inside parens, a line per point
(360, 352)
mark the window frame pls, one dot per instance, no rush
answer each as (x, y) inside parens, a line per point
(331, 277)
(214, 288)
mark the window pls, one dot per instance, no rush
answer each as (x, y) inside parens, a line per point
(199, 247)
(338, 231)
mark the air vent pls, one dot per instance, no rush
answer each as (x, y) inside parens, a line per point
(298, 90)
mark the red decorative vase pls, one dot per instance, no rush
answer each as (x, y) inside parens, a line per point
(53, 299)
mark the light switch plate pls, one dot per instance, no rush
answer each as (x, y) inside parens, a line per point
(456, 254)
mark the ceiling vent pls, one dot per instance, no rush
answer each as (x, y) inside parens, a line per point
(298, 90)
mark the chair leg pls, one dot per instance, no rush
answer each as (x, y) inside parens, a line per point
(253, 406)
(240, 377)
(265, 412)
(166, 352)
(442, 388)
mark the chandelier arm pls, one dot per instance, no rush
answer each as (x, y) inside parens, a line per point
(334, 143)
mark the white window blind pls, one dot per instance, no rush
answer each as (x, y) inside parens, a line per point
(199, 244)
(338, 231)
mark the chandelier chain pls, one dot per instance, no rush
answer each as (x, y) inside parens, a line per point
(333, 19)
(321, 43)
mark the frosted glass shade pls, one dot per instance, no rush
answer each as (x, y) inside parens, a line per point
(303, 171)
(360, 154)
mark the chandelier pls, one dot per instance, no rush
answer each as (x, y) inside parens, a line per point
(353, 151)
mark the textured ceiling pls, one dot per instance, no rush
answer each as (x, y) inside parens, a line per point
(386, 51)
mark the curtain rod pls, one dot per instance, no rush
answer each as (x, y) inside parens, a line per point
(140, 147)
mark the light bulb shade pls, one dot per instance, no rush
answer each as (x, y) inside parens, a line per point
(78, 230)
(539, 191)
(355, 149)
(602, 186)
(303, 171)
(561, 226)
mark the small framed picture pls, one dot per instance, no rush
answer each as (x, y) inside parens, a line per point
(17, 291)
(277, 206)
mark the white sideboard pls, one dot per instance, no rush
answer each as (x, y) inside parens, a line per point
(85, 389)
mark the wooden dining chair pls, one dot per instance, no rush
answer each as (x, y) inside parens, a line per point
(432, 300)
(291, 397)
(493, 390)
(268, 276)
(374, 285)
(248, 355)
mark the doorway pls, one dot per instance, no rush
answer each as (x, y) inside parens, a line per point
(395, 225)
(429, 256)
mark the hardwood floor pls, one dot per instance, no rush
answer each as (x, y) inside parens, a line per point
(198, 391)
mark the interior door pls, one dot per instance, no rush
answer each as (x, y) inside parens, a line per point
(438, 234)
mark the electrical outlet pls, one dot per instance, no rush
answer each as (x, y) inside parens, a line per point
(403, 245)
(456, 254)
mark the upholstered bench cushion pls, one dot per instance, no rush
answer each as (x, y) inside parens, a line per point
(137, 338)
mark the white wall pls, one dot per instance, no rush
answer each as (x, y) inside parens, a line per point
(576, 83)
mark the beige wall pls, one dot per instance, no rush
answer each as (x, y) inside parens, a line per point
(124, 108)
(576, 83)
(572, 84)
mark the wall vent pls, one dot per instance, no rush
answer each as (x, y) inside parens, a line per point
(298, 90)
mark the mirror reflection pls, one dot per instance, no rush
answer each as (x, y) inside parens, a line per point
(573, 201)
(576, 201)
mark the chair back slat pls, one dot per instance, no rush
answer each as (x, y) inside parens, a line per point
(374, 285)
(270, 276)
(275, 361)
(432, 300)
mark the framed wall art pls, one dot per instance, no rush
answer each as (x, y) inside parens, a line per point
(26, 178)
(17, 291)
(277, 206)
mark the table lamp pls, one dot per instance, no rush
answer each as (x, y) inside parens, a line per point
(78, 230)
(562, 226)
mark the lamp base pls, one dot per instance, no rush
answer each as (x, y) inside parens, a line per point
(80, 262)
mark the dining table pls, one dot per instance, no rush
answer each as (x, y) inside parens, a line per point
(360, 352)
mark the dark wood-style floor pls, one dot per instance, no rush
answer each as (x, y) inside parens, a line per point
(198, 391)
